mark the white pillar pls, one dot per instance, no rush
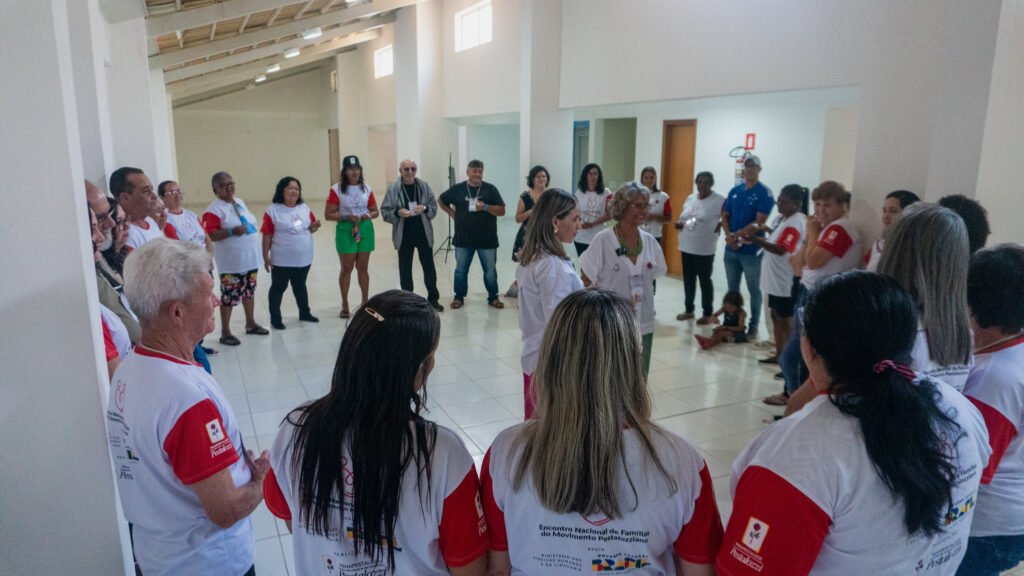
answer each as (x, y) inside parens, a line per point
(88, 51)
(420, 130)
(130, 99)
(998, 186)
(545, 130)
(163, 141)
(57, 493)
(352, 134)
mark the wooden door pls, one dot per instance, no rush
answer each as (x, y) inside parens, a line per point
(679, 144)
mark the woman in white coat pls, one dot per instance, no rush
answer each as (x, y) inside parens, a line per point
(626, 259)
(545, 274)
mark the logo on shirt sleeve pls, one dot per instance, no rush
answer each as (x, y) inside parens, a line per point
(215, 431)
(755, 533)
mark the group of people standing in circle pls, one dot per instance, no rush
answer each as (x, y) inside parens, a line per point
(900, 452)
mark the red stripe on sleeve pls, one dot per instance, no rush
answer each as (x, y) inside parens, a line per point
(108, 342)
(276, 502)
(332, 198)
(463, 531)
(495, 516)
(667, 211)
(836, 240)
(170, 231)
(1000, 433)
(268, 224)
(210, 222)
(198, 445)
(701, 538)
(312, 217)
(789, 239)
(372, 202)
(774, 529)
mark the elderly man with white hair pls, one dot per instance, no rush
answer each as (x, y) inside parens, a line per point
(186, 482)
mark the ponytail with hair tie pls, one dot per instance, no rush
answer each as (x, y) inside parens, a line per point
(902, 370)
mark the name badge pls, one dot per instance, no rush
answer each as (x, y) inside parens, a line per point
(471, 202)
(636, 287)
(412, 205)
(296, 226)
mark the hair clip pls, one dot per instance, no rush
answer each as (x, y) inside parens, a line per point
(374, 313)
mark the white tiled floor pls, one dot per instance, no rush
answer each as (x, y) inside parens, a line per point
(712, 398)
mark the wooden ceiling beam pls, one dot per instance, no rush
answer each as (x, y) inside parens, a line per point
(257, 36)
(226, 10)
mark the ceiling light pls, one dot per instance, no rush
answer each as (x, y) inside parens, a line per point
(291, 53)
(312, 33)
(274, 68)
(261, 77)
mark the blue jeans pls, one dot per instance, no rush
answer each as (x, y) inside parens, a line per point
(794, 371)
(991, 555)
(463, 258)
(748, 265)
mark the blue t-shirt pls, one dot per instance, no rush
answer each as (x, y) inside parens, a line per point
(743, 205)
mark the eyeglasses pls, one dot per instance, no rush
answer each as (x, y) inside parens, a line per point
(409, 169)
(173, 192)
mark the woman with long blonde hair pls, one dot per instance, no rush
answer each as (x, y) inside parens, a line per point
(545, 274)
(590, 480)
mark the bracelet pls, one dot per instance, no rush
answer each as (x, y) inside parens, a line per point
(230, 232)
(485, 207)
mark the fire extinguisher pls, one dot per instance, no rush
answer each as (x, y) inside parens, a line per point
(740, 153)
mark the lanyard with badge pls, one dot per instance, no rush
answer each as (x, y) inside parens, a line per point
(412, 204)
(636, 281)
(471, 200)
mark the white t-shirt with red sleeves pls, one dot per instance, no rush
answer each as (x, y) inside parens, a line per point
(446, 528)
(955, 374)
(139, 235)
(188, 226)
(658, 205)
(170, 426)
(117, 331)
(996, 387)
(807, 499)
(776, 273)
(355, 201)
(236, 254)
(292, 242)
(842, 240)
(662, 524)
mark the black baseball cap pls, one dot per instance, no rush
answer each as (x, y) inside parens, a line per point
(351, 161)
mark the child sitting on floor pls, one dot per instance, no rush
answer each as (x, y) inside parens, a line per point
(733, 322)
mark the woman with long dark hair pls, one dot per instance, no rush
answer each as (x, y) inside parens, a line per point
(536, 183)
(288, 226)
(876, 475)
(545, 275)
(364, 482)
(593, 199)
(590, 482)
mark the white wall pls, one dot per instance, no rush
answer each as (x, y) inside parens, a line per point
(895, 52)
(277, 129)
(790, 129)
(376, 95)
(88, 51)
(484, 79)
(618, 152)
(57, 492)
(999, 187)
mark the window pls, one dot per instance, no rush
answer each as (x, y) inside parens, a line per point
(384, 61)
(473, 26)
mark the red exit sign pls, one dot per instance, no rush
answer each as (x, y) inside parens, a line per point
(750, 141)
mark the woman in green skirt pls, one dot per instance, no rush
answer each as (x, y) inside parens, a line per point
(351, 204)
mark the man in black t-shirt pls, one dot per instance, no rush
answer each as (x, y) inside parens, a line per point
(475, 205)
(409, 206)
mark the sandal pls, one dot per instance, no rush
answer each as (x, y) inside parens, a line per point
(456, 304)
(769, 360)
(684, 316)
(343, 314)
(257, 329)
(230, 340)
(776, 400)
(705, 320)
(496, 304)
